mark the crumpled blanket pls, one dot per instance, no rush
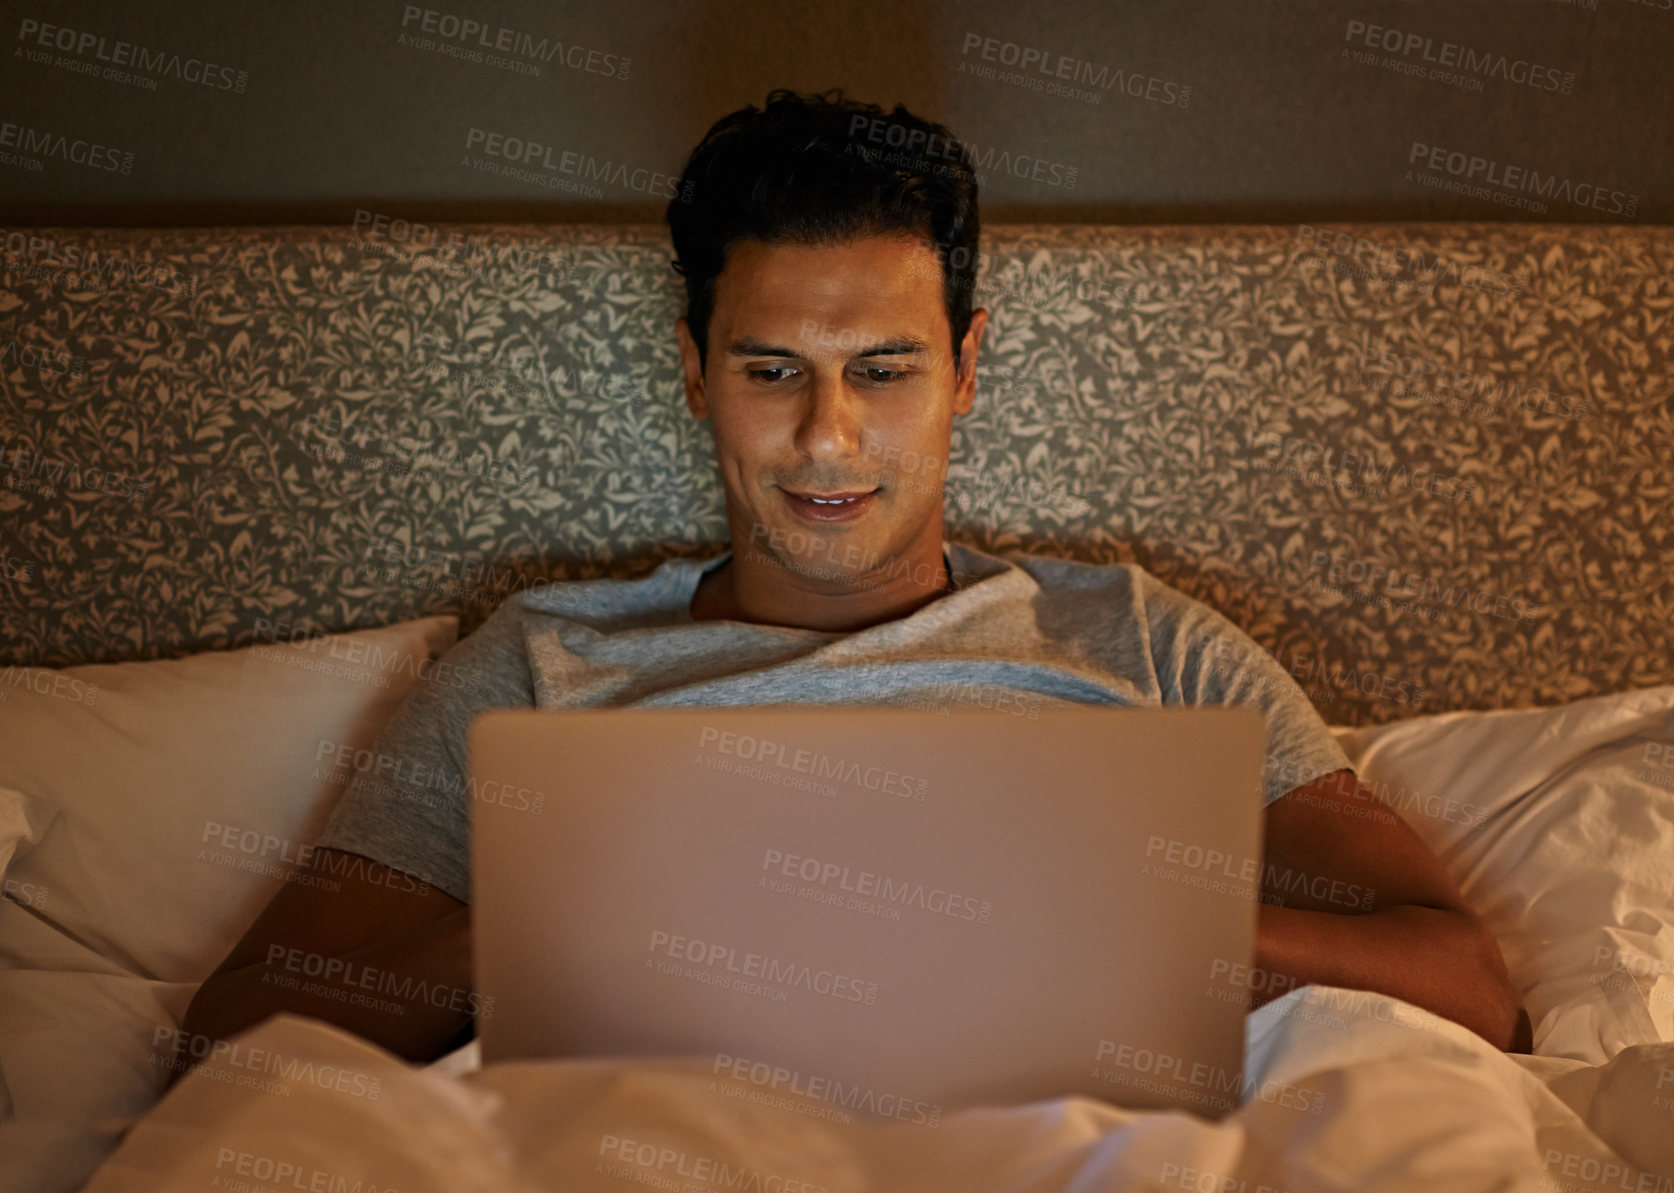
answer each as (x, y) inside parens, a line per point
(1347, 1091)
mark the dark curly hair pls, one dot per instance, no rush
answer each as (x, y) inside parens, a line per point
(822, 169)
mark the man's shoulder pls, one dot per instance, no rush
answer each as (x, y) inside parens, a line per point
(603, 599)
(489, 664)
(1117, 597)
(1055, 573)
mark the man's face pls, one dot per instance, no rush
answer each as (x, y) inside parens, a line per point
(830, 373)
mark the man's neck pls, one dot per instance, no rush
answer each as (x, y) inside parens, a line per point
(754, 586)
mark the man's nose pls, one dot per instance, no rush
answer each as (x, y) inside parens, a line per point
(831, 425)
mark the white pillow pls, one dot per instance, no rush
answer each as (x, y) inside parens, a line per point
(176, 793)
(17, 831)
(1558, 825)
(134, 796)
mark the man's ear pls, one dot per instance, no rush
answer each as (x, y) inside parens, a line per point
(964, 393)
(697, 401)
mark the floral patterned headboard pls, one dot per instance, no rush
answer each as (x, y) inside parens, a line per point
(1428, 466)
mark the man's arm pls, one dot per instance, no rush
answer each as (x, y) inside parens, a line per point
(1331, 849)
(368, 948)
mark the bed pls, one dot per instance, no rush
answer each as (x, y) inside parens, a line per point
(255, 482)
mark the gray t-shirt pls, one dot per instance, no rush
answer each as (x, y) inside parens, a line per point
(1016, 634)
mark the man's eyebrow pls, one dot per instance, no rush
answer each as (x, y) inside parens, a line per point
(896, 346)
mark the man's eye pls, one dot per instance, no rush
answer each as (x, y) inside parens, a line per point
(762, 374)
(882, 375)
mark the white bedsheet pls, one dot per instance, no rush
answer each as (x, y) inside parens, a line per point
(1350, 1095)
(1567, 850)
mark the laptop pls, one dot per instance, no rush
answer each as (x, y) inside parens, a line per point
(900, 911)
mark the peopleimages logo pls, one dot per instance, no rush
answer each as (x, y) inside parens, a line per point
(1399, 582)
(175, 1049)
(94, 48)
(34, 146)
(83, 267)
(1484, 63)
(343, 980)
(916, 148)
(750, 972)
(535, 159)
(1467, 169)
(416, 774)
(477, 41)
(1367, 473)
(663, 1167)
(809, 762)
(21, 463)
(774, 1078)
(1485, 389)
(1402, 258)
(897, 892)
(275, 1173)
(42, 359)
(1041, 70)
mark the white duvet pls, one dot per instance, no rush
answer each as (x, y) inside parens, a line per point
(1567, 849)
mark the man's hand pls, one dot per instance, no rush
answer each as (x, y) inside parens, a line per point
(1352, 897)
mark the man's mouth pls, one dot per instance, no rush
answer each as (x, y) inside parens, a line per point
(836, 506)
(832, 498)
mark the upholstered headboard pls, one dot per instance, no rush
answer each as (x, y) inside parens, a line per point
(1428, 466)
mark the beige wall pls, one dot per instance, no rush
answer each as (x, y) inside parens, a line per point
(311, 112)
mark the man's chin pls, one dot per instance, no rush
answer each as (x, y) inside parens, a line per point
(834, 554)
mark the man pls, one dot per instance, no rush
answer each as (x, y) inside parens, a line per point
(828, 251)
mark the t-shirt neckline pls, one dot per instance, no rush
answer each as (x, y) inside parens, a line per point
(691, 577)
